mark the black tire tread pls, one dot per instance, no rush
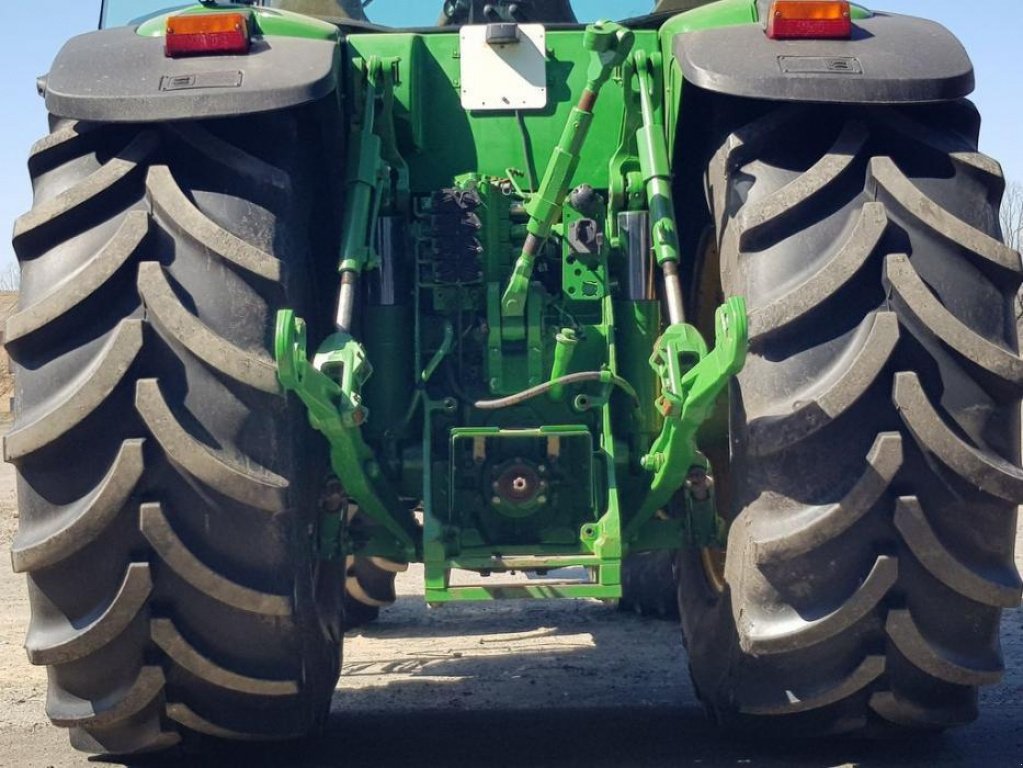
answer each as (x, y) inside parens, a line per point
(814, 526)
(82, 282)
(807, 411)
(177, 556)
(252, 485)
(170, 203)
(369, 586)
(232, 158)
(116, 350)
(797, 302)
(649, 585)
(866, 673)
(789, 633)
(989, 472)
(1002, 589)
(91, 389)
(53, 643)
(782, 205)
(183, 653)
(911, 643)
(166, 311)
(81, 522)
(859, 596)
(920, 304)
(886, 177)
(193, 721)
(69, 712)
(119, 170)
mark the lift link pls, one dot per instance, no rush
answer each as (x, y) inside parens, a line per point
(372, 160)
(330, 385)
(691, 377)
(610, 45)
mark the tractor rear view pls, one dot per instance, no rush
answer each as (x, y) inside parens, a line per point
(709, 306)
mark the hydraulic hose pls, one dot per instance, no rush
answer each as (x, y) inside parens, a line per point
(605, 377)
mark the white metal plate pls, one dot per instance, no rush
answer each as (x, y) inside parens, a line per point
(504, 77)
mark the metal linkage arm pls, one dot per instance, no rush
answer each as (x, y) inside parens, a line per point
(329, 386)
(371, 158)
(611, 44)
(691, 380)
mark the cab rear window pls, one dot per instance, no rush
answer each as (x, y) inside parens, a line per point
(120, 13)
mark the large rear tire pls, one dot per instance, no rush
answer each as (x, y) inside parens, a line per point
(167, 489)
(875, 427)
(649, 585)
(369, 586)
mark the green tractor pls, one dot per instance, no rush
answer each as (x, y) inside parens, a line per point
(708, 307)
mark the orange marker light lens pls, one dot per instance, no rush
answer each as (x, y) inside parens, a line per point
(196, 34)
(822, 19)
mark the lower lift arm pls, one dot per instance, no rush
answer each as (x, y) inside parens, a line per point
(329, 387)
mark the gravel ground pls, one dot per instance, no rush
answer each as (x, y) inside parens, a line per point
(509, 684)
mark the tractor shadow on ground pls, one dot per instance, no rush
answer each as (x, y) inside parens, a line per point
(573, 683)
(617, 737)
(647, 737)
(559, 683)
(537, 685)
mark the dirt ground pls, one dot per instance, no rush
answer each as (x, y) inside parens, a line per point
(509, 684)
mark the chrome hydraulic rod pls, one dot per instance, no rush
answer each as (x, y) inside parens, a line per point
(653, 160)
(366, 174)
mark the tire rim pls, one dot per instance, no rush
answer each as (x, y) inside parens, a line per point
(713, 561)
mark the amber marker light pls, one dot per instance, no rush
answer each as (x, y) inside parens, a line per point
(197, 34)
(809, 19)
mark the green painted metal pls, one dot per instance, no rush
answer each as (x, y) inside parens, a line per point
(330, 387)
(265, 22)
(385, 333)
(331, 543)
(653, 158)
(691, 380)
(637, 327)
(609, 44)
(558, 429)
(443, 142)
(584, 262)
(541, 591)
(566, 341)
(372, 159)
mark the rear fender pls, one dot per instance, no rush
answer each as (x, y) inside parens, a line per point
(117, 75)
(891, 59)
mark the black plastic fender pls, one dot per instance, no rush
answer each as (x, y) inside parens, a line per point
(891, 59)
(115, 75)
